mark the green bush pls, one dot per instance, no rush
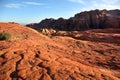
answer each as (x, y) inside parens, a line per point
(5, 36)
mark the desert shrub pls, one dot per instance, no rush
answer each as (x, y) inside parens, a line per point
(5, 36)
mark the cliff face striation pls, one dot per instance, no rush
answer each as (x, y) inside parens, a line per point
(94, 19)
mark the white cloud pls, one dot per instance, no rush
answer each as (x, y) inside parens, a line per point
(33, 3)
(106, 4)
(110, 2)
(13, 5)
(98, 4)
(16, 5)
(78, 1)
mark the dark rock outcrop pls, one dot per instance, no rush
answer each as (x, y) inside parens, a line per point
(94, 19)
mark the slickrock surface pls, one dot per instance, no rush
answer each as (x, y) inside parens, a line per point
(91, 55)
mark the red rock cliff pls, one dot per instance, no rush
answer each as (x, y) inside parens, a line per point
(94, 19)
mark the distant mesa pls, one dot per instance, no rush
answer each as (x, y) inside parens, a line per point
(94, 19)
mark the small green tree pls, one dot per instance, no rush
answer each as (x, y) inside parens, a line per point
(5, 36)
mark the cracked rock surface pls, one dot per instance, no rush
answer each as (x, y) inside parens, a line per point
(33, 56)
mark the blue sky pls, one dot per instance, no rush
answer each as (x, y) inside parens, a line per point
(30, 11)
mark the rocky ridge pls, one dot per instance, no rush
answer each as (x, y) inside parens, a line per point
(94, 19)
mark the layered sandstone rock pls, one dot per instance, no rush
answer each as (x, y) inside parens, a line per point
(94, 19)
(93, 55)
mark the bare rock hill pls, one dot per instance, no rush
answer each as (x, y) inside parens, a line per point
(29, 55)
(94, 19)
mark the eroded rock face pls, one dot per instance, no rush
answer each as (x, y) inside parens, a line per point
(94, 19)
(91, 55)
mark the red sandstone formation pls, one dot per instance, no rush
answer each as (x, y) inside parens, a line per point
(94, 19)
(29, 55)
